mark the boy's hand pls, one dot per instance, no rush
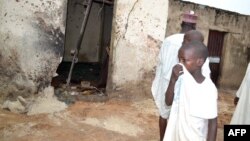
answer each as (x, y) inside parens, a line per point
(176, 72)
(236, 99)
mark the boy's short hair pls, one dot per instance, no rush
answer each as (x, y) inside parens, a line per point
(200, 50)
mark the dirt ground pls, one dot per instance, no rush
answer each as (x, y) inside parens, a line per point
(115, 119)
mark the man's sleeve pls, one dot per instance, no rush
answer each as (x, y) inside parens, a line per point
(243, 85)
(157, 80)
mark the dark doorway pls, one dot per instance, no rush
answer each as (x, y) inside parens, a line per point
(215, 46)
(92, 46)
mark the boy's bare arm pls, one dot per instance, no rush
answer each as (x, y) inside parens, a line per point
(212, 129)
(169, 95)
(170, 92)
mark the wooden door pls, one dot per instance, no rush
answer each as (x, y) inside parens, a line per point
(215, 46)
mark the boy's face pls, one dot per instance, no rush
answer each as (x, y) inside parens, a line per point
(188, 59)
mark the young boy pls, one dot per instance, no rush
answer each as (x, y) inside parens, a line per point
(193, 115)
(168, 57)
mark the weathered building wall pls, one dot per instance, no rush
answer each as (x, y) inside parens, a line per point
(236, 41)
(138, 29)
(31, 44)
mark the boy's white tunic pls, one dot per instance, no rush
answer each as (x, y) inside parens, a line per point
(242, 112)
(192, 106)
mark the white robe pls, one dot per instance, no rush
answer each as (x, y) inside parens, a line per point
(192, 106)
(242, 111)
(168, 57)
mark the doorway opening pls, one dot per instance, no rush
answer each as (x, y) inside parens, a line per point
(86, 48)
(215, 47)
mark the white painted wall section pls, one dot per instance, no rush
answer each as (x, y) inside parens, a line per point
(138, 29)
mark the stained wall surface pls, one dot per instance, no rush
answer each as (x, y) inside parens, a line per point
(31, 44)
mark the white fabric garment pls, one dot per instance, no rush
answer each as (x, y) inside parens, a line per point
(242, 111)
(168, 57)
(193, 104)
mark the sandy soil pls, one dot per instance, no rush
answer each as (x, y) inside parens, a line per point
(112, 120)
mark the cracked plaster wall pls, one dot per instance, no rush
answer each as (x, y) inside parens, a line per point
(236, 41)
(31, 44)
(138, 30)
